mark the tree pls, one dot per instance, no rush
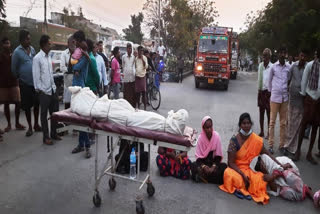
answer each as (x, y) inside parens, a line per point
(283, 22)
(181, 21)
(2, 9)
(133, 33)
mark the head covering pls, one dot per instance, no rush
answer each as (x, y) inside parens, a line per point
(314, 76)
(204, 145)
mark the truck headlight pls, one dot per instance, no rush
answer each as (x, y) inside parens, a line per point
(201, 59)
(199, 68)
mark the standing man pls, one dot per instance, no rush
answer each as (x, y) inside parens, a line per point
(295, 103)
(161, 50)
(9, 86)
(46, 88)
(263, 93)
(115, 73)
(153, 47)
(21, 67)
(141, 65)
(180, 68)
(101, 66)
(278, 86)
(129, 76)
(310, 89)
(65, 68)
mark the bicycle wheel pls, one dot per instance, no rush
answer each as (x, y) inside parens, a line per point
(154, 98)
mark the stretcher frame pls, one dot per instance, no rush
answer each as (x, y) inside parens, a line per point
(110, 169)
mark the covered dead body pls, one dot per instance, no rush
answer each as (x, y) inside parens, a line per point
(84, 102)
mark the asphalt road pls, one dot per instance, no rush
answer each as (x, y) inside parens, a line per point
(39, 179)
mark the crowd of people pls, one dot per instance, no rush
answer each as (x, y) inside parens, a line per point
(291, 89)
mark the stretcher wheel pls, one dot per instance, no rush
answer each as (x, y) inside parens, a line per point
(139, 207)
(150, 189)
(112, 184)
(96, 199)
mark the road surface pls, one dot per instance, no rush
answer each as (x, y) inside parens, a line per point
(39, 179)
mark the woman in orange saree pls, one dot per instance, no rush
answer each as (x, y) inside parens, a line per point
(238, 178)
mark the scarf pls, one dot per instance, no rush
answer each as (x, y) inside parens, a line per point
(314, 76)
(204, 145)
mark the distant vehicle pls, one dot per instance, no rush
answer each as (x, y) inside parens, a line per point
(122, 44)
(57, 74)
(56, 58)
(235, 56)
(213, 57)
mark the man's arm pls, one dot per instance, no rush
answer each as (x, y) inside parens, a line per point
(81, 64)
(304, 80)
(260, 77)
(15, 64)
(290, 75)
(36, 74)
(270, 78)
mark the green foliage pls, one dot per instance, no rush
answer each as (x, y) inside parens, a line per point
(133, 33)
(181, 21)
(294, 24)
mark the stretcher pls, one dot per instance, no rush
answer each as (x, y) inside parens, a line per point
(119, 132)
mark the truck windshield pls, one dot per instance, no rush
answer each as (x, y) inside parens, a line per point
(213, 44)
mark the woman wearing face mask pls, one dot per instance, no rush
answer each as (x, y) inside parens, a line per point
(238, 178)
(208, 167)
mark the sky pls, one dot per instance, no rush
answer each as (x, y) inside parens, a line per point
(116, 13)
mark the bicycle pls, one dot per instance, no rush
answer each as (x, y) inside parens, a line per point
(153, 92)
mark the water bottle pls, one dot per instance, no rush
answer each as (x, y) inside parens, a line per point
(133, 162)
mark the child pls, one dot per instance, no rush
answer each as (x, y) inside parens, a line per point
(81, 48)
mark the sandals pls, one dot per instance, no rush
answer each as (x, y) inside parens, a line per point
(29, 133)
(77, 150)
(20, 127)
(242, 196)
(37, 128)
(312, 160)
(7, 129)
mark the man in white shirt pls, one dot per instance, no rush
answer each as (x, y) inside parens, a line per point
(263, 93)
(44, 84)
(310, 89)
(67, 73)
(161, 51)
(141, 65)
(128, 68)
(153, 47)
(101, 66)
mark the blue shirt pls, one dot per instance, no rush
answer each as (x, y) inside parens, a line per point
(82, 68)
(21, 64)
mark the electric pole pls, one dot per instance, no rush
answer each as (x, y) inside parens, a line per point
(159, 22)
(45, 17)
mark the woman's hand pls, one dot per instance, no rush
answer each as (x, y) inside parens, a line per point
(246, 181)
(286, 166)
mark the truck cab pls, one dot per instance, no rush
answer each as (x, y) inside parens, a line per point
(213, 57)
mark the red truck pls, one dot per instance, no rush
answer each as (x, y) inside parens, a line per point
(213, 56)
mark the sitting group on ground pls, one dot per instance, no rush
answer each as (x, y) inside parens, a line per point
(251, 172)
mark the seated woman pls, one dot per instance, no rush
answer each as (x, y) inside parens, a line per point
(238, 178)
(285, 183)
(173, 163)
(208, 167)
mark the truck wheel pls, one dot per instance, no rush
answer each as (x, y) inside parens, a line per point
(197, 83)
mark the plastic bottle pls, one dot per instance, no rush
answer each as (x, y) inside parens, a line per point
(133, 162)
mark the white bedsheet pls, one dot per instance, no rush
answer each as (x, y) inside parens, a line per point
(84, 102)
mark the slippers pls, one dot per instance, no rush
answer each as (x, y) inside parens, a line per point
(20, 127)
(37, 128)
(312, 161)
(238, 194)
(29, 133)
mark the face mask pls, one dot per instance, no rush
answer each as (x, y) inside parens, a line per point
(246, 134)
